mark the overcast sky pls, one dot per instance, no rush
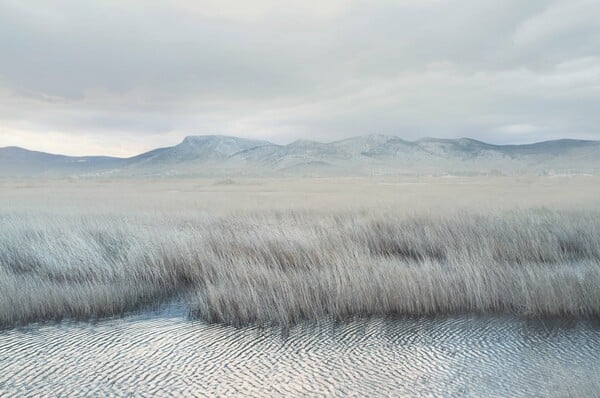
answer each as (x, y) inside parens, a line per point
(121, 77)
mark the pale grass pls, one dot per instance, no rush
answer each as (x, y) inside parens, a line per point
(284, 267)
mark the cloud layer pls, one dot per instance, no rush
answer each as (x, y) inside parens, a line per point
(123, 76)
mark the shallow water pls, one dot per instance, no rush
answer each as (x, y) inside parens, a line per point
(164, 354)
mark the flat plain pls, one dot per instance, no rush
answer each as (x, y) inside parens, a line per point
(283, 251)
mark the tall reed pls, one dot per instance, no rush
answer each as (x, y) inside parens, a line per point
(286, 267)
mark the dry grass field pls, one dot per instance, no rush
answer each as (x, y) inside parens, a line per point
(288, 250)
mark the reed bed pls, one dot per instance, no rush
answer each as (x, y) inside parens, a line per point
(285, 267)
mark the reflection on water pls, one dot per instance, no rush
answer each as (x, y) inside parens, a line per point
(167, 355)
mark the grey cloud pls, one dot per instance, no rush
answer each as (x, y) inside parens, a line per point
(413, 68)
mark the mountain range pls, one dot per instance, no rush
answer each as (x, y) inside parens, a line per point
(217, 155)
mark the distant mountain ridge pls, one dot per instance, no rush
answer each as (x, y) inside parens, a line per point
(218, 155)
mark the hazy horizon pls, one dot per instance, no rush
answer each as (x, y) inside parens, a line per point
(30, 148)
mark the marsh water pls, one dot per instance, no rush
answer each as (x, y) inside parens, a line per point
(165, 354)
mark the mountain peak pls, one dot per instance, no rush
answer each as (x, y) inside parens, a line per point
(207, 147)
(217, 138)
(207, 137)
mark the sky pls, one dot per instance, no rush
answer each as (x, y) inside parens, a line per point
(122, 77)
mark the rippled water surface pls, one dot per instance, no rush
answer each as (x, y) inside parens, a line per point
(166, 355)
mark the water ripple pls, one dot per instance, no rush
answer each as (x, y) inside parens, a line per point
(161, 355)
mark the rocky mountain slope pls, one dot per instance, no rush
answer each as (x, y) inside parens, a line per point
(214, 155)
